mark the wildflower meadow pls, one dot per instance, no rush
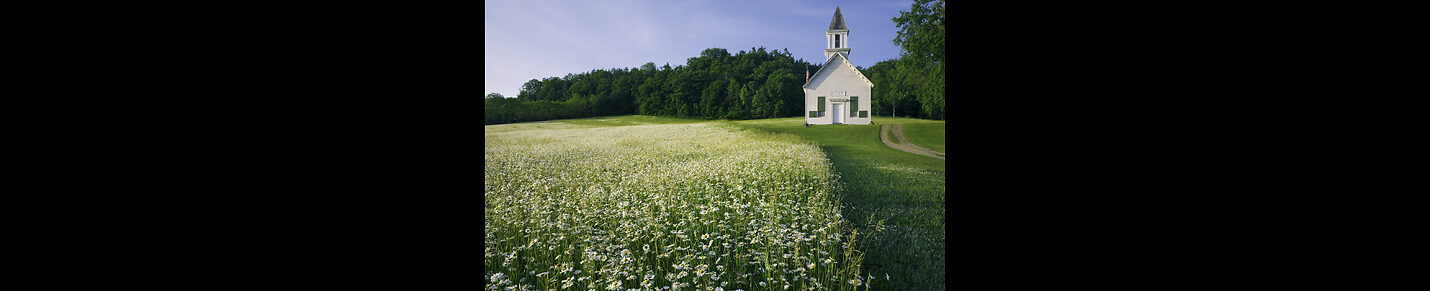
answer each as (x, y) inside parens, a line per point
(702, 206)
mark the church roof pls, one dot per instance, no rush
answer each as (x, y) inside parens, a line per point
(838, 21)
(826, 68)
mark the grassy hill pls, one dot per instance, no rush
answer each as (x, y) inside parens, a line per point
(927, 135)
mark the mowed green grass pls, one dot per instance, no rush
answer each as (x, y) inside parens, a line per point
(903, 189)
(927, 135)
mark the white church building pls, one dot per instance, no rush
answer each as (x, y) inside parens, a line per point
(838, 93)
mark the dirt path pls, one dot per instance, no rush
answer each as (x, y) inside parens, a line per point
(903, 144)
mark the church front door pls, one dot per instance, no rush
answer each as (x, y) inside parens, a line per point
(835, 116)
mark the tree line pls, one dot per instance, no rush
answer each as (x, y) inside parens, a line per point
(752, 84)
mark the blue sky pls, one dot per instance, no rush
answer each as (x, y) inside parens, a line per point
(535, 39)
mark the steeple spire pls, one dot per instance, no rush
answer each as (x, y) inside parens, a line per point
(837, 37)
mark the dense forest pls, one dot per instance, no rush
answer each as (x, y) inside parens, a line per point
(752, 84)
(716, 85)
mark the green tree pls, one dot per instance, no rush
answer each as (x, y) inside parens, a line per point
(648, 98)
(921, 31)
(747, 97)
(921, 36)
(529, 90)
(770, 99)
(623, 93)
(712, 100)
(676, 93)
(733, 106)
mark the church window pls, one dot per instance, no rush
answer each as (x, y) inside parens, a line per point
(836, 41)
(853, 105)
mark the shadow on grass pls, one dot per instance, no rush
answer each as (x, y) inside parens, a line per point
(911, 248)
(904, 190)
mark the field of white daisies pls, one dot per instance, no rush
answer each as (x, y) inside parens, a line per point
(702, 206)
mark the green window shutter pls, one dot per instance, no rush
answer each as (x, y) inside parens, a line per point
(853, 105)
(814, 114)
(864, 114)
(821, 104)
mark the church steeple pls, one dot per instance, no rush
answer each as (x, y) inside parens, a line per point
(837, 37)
(838, 21)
